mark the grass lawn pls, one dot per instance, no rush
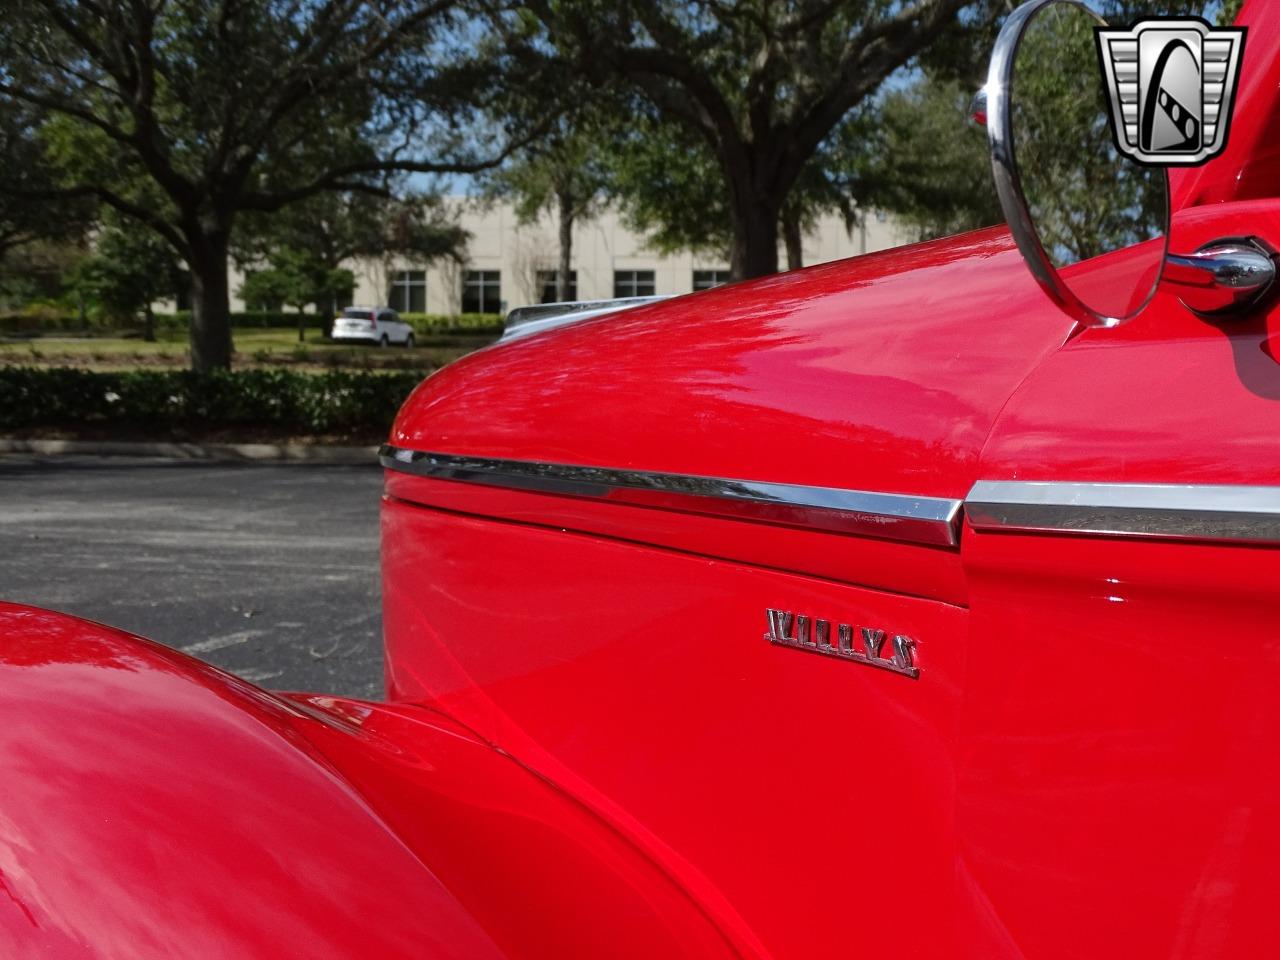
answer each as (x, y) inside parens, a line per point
(254, 347)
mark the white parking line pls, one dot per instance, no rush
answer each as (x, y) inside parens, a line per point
(256, 675)
(226, 640)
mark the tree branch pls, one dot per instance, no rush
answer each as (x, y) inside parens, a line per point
(868, 58)
(137, 211)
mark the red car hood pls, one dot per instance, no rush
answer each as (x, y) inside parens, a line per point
(884, 372)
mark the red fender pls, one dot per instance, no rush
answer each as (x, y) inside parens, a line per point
(169, 809)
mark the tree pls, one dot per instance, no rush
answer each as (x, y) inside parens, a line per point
(297, 278)
(317, 236)
(34, 214)
(129, 269)
(932, 169)
(668, 185)
(929, 165)
(761, 84)
(563, 174)
(183, 115)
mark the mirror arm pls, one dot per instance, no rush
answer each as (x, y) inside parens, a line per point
(1223, 277)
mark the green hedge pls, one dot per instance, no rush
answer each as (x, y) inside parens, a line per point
(51, 321)
(423, 323)
(461, 323)
(336, 402)
(248, 318)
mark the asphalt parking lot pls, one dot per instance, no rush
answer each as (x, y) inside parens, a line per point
(269, 571)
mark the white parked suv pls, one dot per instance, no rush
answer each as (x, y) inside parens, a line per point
(380, 325)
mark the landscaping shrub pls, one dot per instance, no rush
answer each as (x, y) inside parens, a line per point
(426, 323)
(48, 318)
(262, 319)
(42, 318)
(162, 402)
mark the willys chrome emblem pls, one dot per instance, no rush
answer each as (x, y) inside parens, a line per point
(1171, 85)
(807, 633)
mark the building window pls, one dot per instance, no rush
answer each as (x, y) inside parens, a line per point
(633, 283)
(706, 279)
(408, 291)
(482, 291)
(547, 284)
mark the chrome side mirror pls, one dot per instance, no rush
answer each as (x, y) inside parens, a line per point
(1070, 196)
(1225, 277)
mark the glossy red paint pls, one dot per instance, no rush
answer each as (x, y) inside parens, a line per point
(1166, 398)
(1113, 792)
(850, 374)
(1077, 771)
(875, 373)
(1116, 795)
(805, 802)
(167, 809)
(904, 568)
(1249, 167)
(592, 750)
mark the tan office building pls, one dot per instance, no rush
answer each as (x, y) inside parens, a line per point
(510, 264)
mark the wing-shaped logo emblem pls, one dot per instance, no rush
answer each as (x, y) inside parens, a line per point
(1171, 86)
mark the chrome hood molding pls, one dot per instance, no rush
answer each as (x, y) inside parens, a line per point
(932, 521)
(1235, 513)
(1214, 512)
(535, 318)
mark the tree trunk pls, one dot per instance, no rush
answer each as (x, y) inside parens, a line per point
(566, 248)
(793, 237)
(210, 305)
(148, 323)
(754, 249)
(326, 309)
(302, 326)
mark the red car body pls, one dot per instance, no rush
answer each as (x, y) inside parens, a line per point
(599, 742)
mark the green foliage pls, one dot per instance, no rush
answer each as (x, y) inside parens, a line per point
(563, 172)
(1230, 9)
(297, 278)
(164, 402)
(933, 169)
(38, 273)
(249, 318)
(30, 211)
(930, 166)
(184, 116)
(128, 269)
(422, 323)
(670, 188)
(317, 235)
(54, 318)
(440, 323)
(761, 89)
(41, 317)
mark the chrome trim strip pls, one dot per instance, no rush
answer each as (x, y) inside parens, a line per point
(535, 318)
(1182, 511)
(928, 520)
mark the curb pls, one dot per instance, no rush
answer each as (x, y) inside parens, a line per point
(262, 452)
